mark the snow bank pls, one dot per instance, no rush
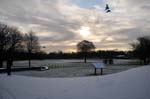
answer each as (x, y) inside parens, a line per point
(131, 84)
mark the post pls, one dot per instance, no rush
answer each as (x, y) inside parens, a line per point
(85, 56)
(95, 71)
(101, 71)
(9, 64)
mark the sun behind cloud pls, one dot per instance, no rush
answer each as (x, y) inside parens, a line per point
(84, 31)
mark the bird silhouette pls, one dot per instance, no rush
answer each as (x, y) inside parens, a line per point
(107, 9)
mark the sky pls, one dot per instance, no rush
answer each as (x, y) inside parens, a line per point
(61, 24)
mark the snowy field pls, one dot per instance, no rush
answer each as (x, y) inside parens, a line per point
(130, 84)
(72, 68)
(50, 61)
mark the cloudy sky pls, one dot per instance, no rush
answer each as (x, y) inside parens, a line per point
(61, 24)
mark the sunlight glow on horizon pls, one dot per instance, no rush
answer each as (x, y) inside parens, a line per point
(99, 49)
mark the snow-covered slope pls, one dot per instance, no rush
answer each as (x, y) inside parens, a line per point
(131, 84)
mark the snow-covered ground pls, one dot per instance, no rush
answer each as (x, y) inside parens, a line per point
(130, 84)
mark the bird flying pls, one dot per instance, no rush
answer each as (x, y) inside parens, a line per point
(107, 9)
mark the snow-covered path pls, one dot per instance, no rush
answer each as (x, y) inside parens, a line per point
(131, 84)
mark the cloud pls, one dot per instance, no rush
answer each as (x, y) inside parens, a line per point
(57, 22)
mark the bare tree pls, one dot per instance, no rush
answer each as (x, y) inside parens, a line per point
(32, 44)
(10, 41)
(85, 47)
(15, 39)
(141, 49)
(3, 42)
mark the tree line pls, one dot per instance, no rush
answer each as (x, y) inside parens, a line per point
(101, 54)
